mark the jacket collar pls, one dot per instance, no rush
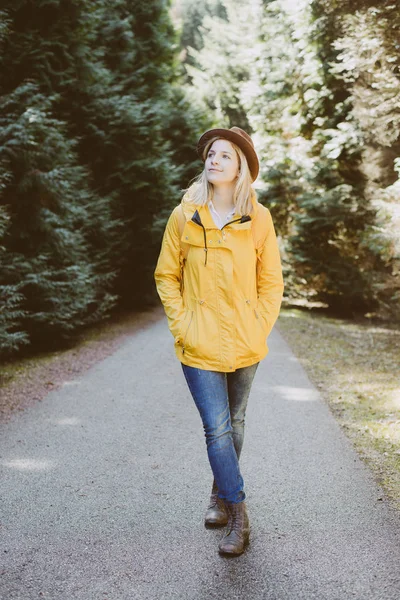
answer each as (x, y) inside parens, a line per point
(206, 216)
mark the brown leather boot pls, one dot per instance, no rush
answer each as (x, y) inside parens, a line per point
(238, 532)
(216, 514)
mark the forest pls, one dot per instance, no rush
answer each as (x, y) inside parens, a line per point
(102, 104)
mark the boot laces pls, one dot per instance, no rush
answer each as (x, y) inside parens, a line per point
(215, 500)
(236, 520)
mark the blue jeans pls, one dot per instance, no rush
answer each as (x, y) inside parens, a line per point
(221, 399)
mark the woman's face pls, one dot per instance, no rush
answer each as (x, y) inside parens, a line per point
(222, 163)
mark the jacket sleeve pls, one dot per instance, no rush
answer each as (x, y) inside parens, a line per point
(269, 277)
(168, 275)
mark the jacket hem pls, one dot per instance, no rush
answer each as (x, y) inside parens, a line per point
(214, 366)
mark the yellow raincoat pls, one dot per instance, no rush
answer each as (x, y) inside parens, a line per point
(224, 309)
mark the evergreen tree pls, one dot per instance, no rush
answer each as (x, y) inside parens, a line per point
(58, 236)
(46, 197)
(129, 125)
(12, 334)
(189, 17)
(223, 65)
(155, 131)
(109, 69)
(272, 103)
(318, 86)
(369, 65)
(345, 262)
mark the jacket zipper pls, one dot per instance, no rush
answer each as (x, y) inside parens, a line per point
(188, 327)
(242, 220)
(205, 244)
(196, 219)
(230, 222)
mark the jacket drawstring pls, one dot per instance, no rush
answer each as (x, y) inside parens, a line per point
(205, 245)
(196, 219)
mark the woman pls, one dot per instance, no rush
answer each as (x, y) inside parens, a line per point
(219, 278)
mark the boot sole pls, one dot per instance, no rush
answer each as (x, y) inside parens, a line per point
(232, 554)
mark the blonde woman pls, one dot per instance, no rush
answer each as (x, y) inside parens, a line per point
(219, 278)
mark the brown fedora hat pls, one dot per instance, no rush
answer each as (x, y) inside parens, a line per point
(238, 137)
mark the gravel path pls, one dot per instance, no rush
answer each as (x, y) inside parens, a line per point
(105, 482)
(25, 381)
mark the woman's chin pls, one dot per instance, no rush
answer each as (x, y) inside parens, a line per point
(216, 179)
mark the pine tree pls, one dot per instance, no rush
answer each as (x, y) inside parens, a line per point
(223, 64)
(12, 334)
(272, 103)
(127, 124)
(369, 64)
(190, 15)
(318, 86)
(46, 196)
(337, 247)
(57, 243)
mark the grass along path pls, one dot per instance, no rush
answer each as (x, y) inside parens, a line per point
(356, 367)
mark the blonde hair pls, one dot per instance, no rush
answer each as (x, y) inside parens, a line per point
(201, 190)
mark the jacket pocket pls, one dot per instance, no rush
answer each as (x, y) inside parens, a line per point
(251, 337)
(186, 331)
(182, 327)
(260, 322)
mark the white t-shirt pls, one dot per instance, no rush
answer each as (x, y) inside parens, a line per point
(216, 217)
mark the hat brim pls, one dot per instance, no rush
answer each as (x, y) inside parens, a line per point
(236, 138)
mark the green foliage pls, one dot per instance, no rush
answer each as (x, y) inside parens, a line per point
(189, 16)
(12, 335)
(327, 251)
(317, 84)
(222, 66)
(98, 138)
(356, 43)
(182, 135)
(46, 195)
(95, 133)
(272, 103)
